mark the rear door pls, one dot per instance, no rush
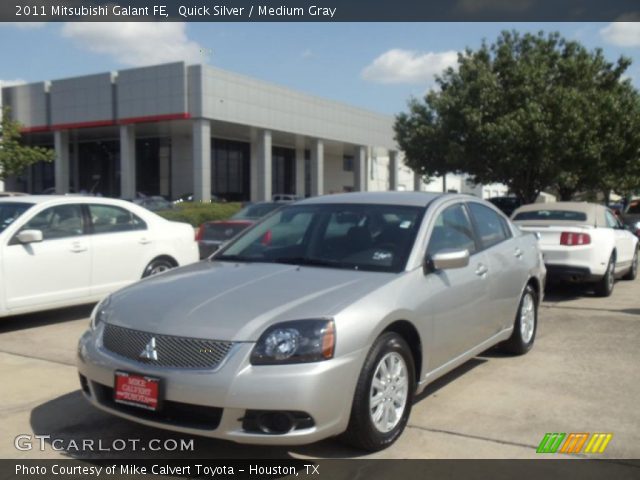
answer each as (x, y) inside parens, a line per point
(56, 270)
(507, 269)
(122, 247)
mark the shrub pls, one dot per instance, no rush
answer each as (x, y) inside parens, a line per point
(198, 213)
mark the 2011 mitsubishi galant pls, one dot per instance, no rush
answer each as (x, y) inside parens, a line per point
(325, 318)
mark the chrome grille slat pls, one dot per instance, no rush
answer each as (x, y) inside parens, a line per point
(173, 352)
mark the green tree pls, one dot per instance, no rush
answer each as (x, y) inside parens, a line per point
(530, 111)
(14, 156)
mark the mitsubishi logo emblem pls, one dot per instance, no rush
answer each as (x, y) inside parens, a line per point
(150, 352)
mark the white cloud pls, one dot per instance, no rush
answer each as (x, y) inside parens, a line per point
(136, 43)
(622, 34)
(408, 66)
(308, 53)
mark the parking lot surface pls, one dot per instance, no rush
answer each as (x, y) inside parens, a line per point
(582, 375)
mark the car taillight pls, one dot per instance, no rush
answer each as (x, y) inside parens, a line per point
(571, 238)
(200, 233)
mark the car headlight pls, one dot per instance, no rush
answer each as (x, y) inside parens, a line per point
(101, 312)
(298, 341)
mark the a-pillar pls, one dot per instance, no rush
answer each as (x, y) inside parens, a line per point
(201, 130)
(128, 161)
(393, 170)
(61, 165)
(360, 169)
(317, 167)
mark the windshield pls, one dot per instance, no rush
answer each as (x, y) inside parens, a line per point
(10, 211)
(564, 215)
(349, 236)
(256, 211)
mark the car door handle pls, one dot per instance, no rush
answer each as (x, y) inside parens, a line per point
(77, 247)
(481, 270)
(518, 253)
(144, 241)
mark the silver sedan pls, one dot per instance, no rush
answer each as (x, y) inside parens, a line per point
(325, 318)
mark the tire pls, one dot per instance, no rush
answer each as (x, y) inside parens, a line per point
(525, 325)
(363, 431)
(158, 265)
(633, 271)
(604, 286)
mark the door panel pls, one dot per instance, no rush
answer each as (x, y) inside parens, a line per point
(58, 269)
(458, 297)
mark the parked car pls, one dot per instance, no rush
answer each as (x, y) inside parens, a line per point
(155, 203)
(255, 211)
(188, 197)
(284, 197)
(506, 204)
(211, 235)
(327, 317)
(12, 194)
(582, 242)
(57, 251)
(631, 217)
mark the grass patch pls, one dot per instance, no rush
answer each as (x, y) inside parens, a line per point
(197, 213)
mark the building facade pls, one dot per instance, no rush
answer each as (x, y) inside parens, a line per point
(175, 129)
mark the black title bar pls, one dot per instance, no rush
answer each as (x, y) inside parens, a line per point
(319, 11)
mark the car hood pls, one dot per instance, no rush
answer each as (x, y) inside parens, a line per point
(236, 302)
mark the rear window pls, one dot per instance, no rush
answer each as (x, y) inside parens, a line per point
(563, 215)
(220, 232)
(634, 208)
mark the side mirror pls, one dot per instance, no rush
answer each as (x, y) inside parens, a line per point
(29, 236)
(447, 259)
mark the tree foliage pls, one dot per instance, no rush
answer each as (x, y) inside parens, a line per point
(14, 156)
(532, 112)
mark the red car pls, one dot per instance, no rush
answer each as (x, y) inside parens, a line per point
(211, 235)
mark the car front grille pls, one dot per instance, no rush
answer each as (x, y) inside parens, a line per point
(170, 351)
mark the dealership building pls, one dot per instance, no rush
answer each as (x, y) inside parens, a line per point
(174, 129)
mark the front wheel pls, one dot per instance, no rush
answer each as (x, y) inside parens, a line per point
(384, 395)
(525, 326)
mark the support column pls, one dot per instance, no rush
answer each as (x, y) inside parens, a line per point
(61, 165)
(393, 170)
(265, 165)
(128, 180)
(360, 169)
(300, 167)
(417, 182)
(201, 160)
(317, 167)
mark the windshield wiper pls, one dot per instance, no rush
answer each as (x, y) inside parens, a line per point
(315, 262)
(239, 258)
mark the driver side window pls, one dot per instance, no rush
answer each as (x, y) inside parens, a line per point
(58, 222)
(452, 231)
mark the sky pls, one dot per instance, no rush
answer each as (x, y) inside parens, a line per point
(377, 66)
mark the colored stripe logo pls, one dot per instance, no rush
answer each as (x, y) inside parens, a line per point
(574, 442)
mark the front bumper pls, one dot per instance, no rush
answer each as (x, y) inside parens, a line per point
(323, 390)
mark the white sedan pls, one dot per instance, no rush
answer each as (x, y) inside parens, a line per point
(66, 250)
(581, 242)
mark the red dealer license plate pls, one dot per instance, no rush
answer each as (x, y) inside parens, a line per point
(137, 390)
